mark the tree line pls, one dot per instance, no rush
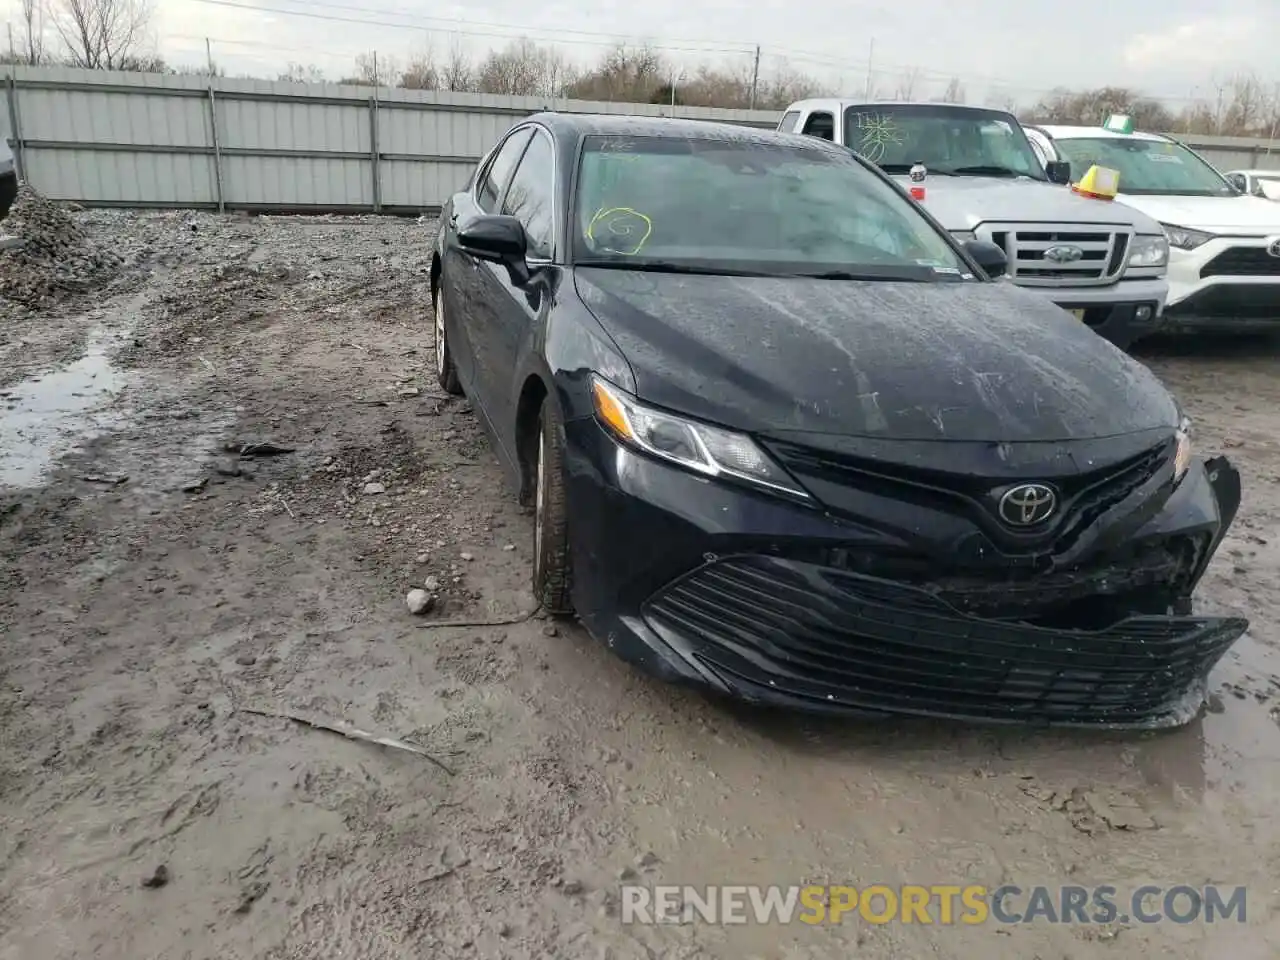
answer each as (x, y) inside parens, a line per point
(115, 35)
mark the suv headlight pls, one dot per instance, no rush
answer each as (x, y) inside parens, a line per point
(1182, 457)
(1185, 239)
(700, 447)
(1149, 252)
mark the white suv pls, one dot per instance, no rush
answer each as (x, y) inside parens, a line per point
(1224, 261)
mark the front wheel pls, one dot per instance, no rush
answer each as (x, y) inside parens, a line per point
(552, 570)
(446, 372)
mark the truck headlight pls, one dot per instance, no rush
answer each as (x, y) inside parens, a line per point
(1185, 239)
(700, 447)
(1149, 252)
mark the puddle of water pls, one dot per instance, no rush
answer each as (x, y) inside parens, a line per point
(43, 418)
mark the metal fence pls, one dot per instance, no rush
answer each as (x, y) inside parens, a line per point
(150, 140)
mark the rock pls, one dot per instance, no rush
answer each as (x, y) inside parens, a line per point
(410, 392)
(432, 584)
(550, 630)
(418, 601)
(422, 558)
(572, 888)
(509, 547)
(246, 659)
(468, 557)
(158, 879)
(373, 489)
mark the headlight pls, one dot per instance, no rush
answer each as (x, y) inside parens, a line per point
(1185, 239)
(711, 451)
(1149, 252)
(1182, 458)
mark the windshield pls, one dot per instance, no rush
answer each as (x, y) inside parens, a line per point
(953, 140)
(1146, 167)
(755, 206)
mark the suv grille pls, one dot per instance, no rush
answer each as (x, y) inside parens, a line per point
(1103, 253)
(1242, 262)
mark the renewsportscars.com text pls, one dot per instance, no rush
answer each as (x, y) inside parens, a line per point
(938, 904)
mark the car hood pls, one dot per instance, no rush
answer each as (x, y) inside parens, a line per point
(1236, 215)
(909, 361)
(963, 203)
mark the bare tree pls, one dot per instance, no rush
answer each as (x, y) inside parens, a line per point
(374, 70)
(102, 34)
(954, 92)
(33, 45)
(906, 89)
(303, 73)
(457, 73)
(1247, 107)
(421, 72)
(523, 68)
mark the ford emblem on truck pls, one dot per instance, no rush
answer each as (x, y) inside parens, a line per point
(1063, 254)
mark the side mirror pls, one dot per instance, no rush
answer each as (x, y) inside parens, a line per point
(1059, 171)
(990, 257)
(497, 239)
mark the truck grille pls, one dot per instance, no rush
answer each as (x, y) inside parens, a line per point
(1242, 262)
(1103, 252)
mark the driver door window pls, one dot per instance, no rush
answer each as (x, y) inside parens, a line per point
(499, 172)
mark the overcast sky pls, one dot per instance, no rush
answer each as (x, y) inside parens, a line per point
(1173, 48)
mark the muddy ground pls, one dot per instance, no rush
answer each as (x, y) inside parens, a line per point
(159, 595)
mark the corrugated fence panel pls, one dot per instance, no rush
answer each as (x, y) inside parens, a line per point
(297, 182)
(148, 139)
(418, 184)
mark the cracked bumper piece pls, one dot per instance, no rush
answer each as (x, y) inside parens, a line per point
(773, 629)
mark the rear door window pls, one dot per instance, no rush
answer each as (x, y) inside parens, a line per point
(500, 168)
(789, 121)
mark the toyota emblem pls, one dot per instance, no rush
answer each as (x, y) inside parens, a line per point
(1028, 504)
(1273, 247)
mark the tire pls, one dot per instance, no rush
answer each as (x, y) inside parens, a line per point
(552, 569)
(446, 372)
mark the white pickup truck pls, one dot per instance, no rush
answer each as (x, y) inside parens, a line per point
(1103, 261)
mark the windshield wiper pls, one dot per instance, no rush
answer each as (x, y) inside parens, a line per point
(669, 266)
(985, 170)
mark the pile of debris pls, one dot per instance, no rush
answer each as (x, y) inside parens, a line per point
(46, 253)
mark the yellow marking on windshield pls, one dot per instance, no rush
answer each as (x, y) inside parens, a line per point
(621, 222)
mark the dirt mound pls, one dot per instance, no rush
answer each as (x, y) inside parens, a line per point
(50, 253)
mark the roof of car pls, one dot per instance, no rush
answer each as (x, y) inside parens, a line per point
(1060, 132)
(624, 125)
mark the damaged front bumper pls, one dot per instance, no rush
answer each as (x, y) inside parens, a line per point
(706, 584)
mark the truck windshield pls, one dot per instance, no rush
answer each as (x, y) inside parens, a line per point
(750, 206)
(1146, 167)
(947, 139)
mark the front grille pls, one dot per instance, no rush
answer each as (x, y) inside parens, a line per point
(1242, 262)
(845, 639)
(1103, 252)
(1084, 497)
